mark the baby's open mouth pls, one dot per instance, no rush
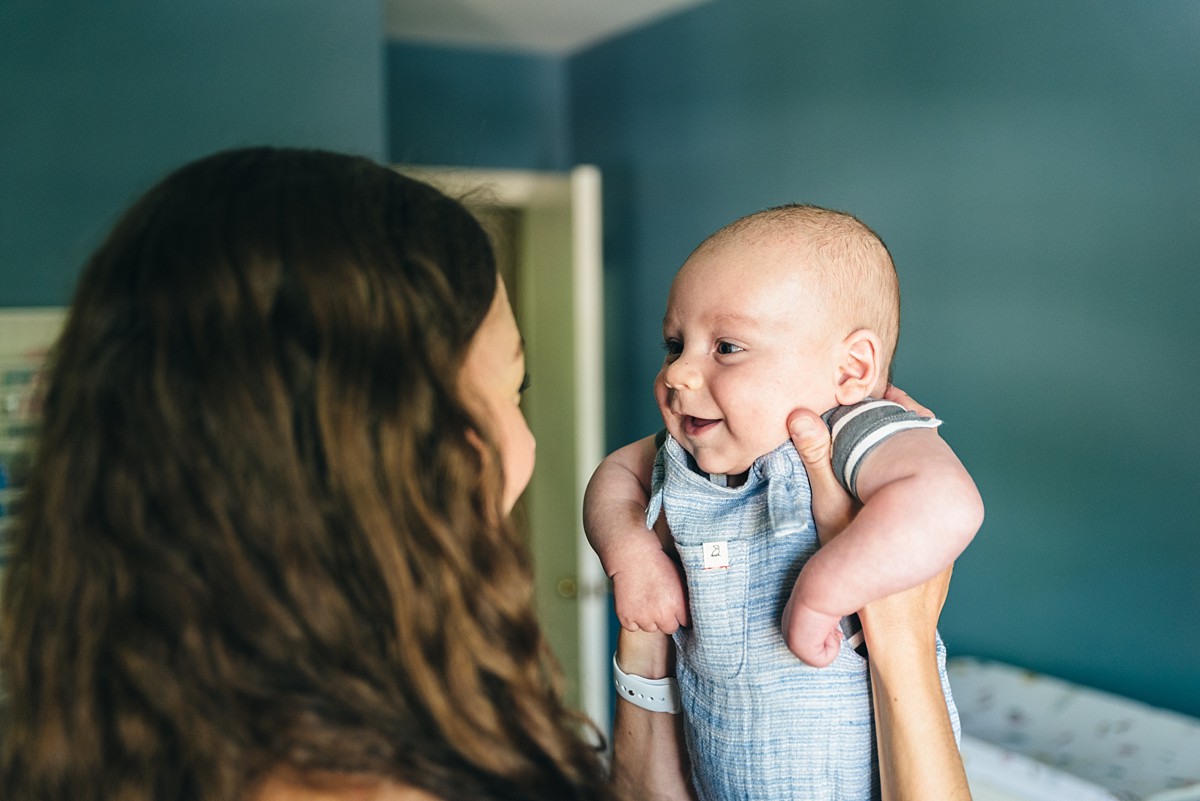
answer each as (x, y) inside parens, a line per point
(693, 426)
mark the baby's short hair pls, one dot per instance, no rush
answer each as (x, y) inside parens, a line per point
(850, 261)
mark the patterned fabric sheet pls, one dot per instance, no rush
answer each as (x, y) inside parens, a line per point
(1049, 739)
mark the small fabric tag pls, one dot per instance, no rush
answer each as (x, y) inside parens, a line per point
(716, 554)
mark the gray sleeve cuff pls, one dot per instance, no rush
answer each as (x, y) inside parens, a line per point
(859, 429)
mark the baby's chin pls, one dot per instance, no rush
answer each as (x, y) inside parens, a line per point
(724, 464)
(715, 465)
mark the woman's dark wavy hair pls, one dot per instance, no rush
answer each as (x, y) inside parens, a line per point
(258, 533)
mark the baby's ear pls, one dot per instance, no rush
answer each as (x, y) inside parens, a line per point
(860, 366)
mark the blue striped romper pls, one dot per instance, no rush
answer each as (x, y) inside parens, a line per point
(759, 723)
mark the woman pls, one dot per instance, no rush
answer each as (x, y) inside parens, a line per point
(264, 551)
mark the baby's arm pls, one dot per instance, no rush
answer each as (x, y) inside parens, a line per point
(920, 510)
(647, 585)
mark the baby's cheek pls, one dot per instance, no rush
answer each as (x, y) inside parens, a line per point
(661, 393)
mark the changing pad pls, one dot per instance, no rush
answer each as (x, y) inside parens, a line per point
(1036, 737)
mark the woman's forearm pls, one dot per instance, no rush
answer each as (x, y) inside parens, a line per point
(649, 759)
(918, 756)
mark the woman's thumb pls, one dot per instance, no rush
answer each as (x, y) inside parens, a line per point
(832, 506)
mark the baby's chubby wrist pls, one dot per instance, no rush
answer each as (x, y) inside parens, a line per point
(630, 552)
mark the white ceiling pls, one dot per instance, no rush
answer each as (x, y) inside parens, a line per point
(543, 26)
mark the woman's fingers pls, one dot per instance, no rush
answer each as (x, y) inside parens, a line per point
(897, 395)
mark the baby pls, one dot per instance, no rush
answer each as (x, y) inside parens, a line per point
(791, 309)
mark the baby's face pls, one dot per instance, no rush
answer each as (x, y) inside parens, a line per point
(747, 342)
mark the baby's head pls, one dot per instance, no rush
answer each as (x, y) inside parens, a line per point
(793, 307)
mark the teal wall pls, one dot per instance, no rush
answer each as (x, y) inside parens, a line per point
(100, 100)
(475, 108)
(1035, 168)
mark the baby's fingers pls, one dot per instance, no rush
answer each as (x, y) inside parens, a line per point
(813, 638)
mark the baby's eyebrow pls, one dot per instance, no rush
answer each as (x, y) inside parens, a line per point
(734, 318)
(735, 324)
(724, 322)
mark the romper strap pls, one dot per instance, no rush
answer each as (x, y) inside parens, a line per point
(657, 481)
(779, 468)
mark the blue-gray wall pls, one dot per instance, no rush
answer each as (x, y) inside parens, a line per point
(1035, 168)
(472, 108)
(100, 100)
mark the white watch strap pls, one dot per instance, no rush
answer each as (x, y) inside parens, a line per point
(656, 695)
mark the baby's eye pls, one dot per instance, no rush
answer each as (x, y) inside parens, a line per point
(524, 385)
(726, 348)
(673, 347)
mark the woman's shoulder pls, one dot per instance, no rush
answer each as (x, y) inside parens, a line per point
(287, 786)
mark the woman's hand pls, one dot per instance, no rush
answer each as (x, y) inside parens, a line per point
(894, 394)
(833, 508)
(911, 616)
(814, 638)
(918, 756)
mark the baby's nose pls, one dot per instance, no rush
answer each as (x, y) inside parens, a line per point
(682, 374)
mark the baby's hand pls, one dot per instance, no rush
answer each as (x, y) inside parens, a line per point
(650, 597)
(814, 637)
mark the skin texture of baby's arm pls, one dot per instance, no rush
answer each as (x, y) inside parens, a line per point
(920, 510)
(647, 582)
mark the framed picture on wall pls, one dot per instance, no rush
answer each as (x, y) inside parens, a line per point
(26, 336)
